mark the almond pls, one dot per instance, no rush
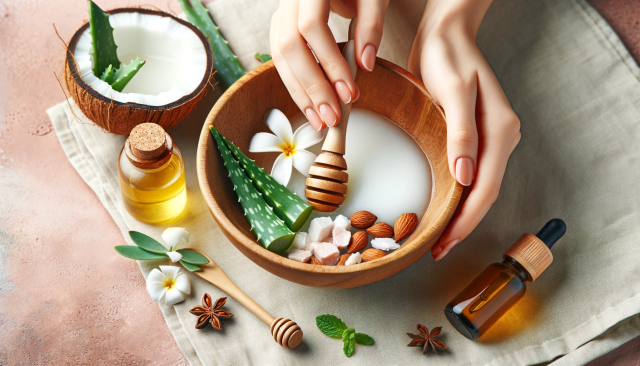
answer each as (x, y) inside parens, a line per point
(362, 219)
(343, 259)
(372, 254)
(359, 240)
(315, 260)
(405, 225)
(381, 230)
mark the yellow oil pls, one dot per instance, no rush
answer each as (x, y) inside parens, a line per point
(153, 195)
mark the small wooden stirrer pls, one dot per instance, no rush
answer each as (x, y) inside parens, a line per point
(284, 331)
(325, 186)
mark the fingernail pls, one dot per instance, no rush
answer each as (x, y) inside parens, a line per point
(343, 92)
(369, 57)
(357, 93)
(441, 255)
(446, 248)
(435, 252)
(313, 117)
(328, 115)
(464, 171)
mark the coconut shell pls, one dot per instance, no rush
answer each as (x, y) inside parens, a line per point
(121, 118)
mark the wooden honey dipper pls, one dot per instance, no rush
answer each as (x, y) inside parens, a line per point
(284, 331)
(326, 183)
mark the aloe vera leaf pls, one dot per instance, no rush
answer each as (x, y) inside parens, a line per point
(190, 267)
(263, 57)
(287, 205)
(226, 63)
(104, 47)
(192, 257)
(124, 74)
(108, 75)
(134, 252)
(147, 243)
(271, 231)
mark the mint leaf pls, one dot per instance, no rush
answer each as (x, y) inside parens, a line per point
(134, 252)
(362, 338)
(331, 325)
(348, 341)
(192, 257)
(147, 243)
(190, 267)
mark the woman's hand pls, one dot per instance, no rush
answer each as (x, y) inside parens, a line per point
(482, 129)
(298, 27)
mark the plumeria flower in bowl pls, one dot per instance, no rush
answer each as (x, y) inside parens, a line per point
(168, 284)
(292, 146)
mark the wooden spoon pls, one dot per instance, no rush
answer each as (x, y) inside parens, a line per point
(284, 331)
(325, 186)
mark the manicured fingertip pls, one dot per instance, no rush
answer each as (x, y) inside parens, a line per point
(369, 57)
(343, 92)
(313, 117)
(328, 115)
(444, 249)
(357, 93)
(464, 171)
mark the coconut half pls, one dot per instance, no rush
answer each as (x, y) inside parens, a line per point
(174, 78)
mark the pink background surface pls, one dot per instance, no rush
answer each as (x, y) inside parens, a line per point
(66, 297)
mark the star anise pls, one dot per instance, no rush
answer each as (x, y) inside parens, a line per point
(426, 339)
(210, 313)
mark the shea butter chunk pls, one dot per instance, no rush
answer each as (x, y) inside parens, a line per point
(302, 241)
(341, 237)
(343, 222)
(320, 228)
(326, 253)
(300, 255)
(385, 244)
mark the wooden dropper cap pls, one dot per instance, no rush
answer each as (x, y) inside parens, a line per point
(148, 146)
(533, 251)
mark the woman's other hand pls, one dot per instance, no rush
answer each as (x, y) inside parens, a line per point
(482, 129)
(300, 26)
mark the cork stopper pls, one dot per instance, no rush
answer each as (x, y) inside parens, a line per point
(532, 254)
(148, 146)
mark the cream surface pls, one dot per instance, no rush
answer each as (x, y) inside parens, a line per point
(388, 172)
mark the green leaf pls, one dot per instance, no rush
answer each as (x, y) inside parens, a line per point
(192, 257)
(108, 75)
(263, 57)
(348, 341)
(362, 338)
(102, 42)
(190, 267)
(124, 74)
(133, 252)
(331, 325)
(147, 243)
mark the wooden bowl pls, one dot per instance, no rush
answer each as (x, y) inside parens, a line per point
(390, 91)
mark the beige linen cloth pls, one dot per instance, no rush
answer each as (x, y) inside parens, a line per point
(577, 92)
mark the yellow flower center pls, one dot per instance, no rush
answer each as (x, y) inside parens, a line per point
(288, 150)
(169, 283)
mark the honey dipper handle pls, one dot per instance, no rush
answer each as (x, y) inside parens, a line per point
(336, 137)
(213, 274)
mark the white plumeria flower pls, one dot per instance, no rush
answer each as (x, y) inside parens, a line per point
(169, 284)
(172, 236)
(292, 145)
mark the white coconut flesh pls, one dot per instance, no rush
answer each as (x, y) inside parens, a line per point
(176, 59)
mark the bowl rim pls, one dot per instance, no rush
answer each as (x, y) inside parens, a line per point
(230, 230)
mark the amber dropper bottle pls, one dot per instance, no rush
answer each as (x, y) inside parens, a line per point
(502, 284)
(151, 171)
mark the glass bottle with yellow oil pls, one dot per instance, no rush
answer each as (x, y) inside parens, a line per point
(151, 171)
(502, 284)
